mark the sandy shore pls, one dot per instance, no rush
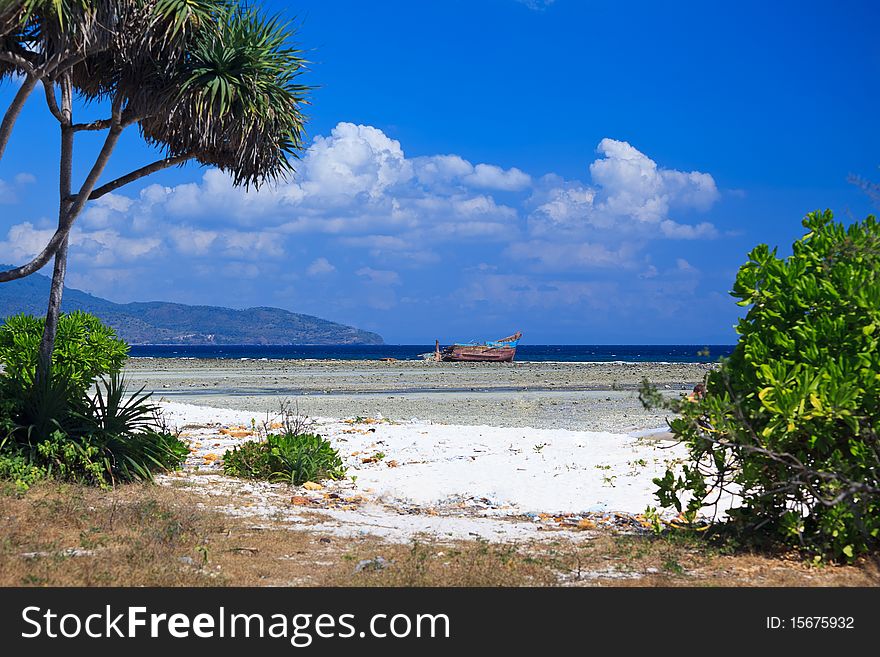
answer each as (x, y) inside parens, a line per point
(447, 481)
(452, 450)
(574, 396)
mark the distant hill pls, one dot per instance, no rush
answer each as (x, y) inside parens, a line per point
(157, 322)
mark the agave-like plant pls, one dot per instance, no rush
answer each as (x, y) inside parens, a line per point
(113, 412)
(123, 431)
(210, 81)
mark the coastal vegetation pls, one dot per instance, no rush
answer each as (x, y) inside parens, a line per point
(287, 450)
(788, 424)
(80, 423)
(288, 457)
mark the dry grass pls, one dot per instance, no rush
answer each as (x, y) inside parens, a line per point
(64, 535)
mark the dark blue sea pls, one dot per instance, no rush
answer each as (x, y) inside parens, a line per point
(678, 353)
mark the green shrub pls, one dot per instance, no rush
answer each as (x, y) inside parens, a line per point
(55, 428)
(107, 438)
(85, 349)
(17, 469)
(790, 421)
(288, 457)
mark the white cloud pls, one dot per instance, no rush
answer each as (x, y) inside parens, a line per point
(633, 185)
(320, 267)
(381, 277)
(357, 186)
(683, 265)
(491, 177)
(630, 195)
(563, 208)
(674, 230)
(354, 159)
(102, 247)
(356, 193)
(650, 272)
(437, 169)
(23, 241)
(192, 241)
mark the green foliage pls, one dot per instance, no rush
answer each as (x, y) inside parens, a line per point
(789, 422)
(107, 438)
(44, 407)
(111, 413)
(84, 349)
(55, 428)
(17, 469)
(293, 458)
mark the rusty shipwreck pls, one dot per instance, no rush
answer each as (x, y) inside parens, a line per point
(499, 351)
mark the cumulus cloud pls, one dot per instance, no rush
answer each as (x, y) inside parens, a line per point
(320, 267)
(102, 247)
(703, 230)
(357, 186)
(354, 159)
(357, 192)
(630, 193)
(493, 177)
(437, 169)
(633, 185)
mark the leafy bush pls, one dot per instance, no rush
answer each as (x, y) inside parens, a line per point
(107, 438)
(294, 458)
(18, 470)
(55, 428)
(85, 349)
(789, 422)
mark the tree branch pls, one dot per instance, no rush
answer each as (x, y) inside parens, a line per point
(39, 261)
(140, 173)
(79, 201)
(51, 101)
(14, 110)
(66, 222)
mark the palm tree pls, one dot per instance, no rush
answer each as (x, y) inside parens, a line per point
(209, 81)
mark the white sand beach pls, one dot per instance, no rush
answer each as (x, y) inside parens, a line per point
(453, 481)
(515, 451)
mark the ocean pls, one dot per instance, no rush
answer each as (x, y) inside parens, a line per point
(678, 353)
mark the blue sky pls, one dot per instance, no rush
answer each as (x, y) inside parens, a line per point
(583, 171)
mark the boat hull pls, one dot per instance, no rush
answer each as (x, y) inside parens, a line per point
(497, 351)
(476, 354)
